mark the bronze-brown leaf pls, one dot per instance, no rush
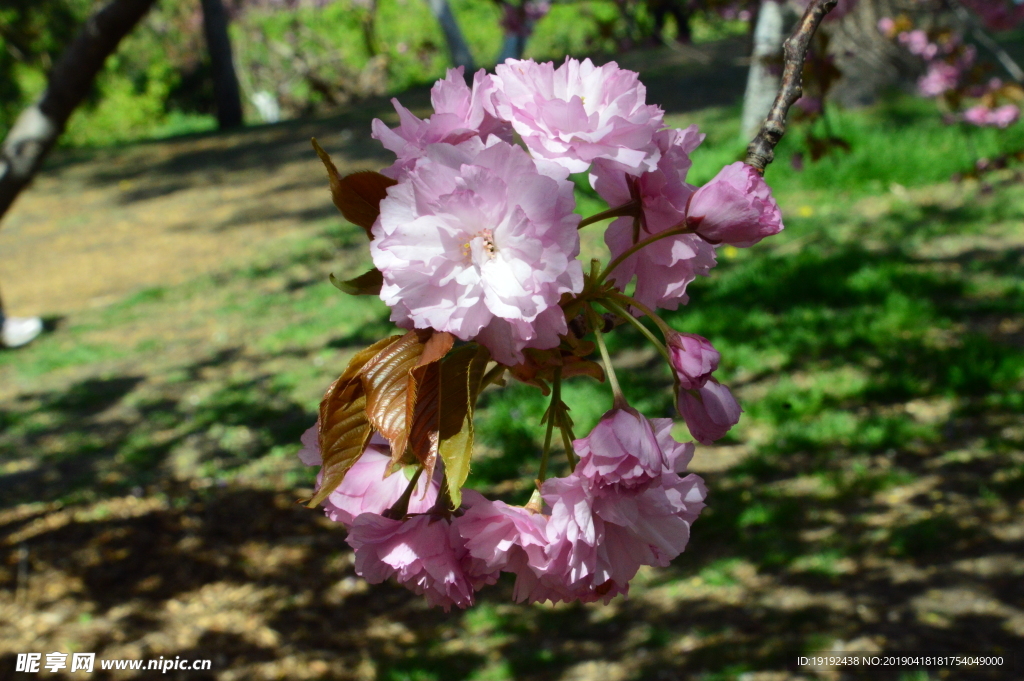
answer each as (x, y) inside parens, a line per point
(389, 386)
(423, 399)
(344, 428)
(358, 195)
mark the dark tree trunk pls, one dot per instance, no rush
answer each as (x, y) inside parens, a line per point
(39, 126)
(225, 81)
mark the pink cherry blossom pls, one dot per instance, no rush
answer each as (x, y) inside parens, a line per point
(736, 207)
(656, 522)
(599, 536)
(693, 359)
(507, 538)
(1000, 117)
(662, 192)
(709, 412)
(917, 42)
(479, 240)
(665, 268)
(365, 489)
(424, 553)
(578, 112)
(624, 449)
(585, 562)
(940, 77)
(458, 115)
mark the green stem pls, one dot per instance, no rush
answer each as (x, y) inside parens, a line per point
(556, 402)
(622, 312)
(618, 400)
(625, 209)
(400, 508)
(633, 302)
(675, 231)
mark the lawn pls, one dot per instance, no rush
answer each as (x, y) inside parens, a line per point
(868, 500)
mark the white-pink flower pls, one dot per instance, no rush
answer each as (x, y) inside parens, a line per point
(578, 112)
(458, 115)
(424, 553)
(365, 489)
(480, 240)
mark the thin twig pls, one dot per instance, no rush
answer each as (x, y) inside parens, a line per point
(761, 151)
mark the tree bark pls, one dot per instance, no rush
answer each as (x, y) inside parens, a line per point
(765, 67)
(870, 62)
(457, 46)
(38, 127)
(225, 80)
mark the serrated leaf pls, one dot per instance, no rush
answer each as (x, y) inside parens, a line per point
(461, 377)
(344, 428)
(423, 433)
(358, 195)
(367, 284)
(423, 400)
(386, 381)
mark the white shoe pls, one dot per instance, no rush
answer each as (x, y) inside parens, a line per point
(18, 331)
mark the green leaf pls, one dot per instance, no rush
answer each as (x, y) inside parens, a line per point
(343, 427)
(461, 378)
(367, 284)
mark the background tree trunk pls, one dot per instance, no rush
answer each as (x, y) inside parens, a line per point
(225, 80)
(765, 67)
(869, 61)
(38, 127)
(457, 46)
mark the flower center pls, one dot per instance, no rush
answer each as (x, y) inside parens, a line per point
(480, 245)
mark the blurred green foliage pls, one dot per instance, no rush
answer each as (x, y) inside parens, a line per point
(309, 58)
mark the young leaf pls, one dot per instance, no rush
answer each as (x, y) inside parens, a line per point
(461, 377)
(344, 428)
(358, 195)
(423, 435)
(423, 399)
(367, 284)
(386, 382)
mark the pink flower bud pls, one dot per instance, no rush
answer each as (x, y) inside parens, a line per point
(693, 359)
(709, 412)
(736, 208)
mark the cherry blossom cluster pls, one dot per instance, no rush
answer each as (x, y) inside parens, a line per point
(952, 73)
(477, 241)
